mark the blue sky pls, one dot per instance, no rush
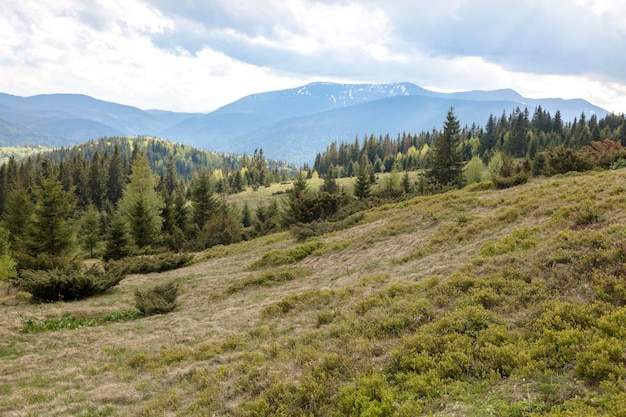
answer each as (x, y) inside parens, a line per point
(191, 55)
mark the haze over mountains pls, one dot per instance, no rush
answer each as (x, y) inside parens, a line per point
(292, 125)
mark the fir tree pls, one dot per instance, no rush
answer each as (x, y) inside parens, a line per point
(50, 232)
(90, 229)
(246, 217)
(204, 202)
(362, 185)
(446, 164)
(118, 239)
(116, 178)
(330, 183)
(141, 205)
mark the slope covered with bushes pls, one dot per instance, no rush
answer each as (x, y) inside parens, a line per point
(473, 302)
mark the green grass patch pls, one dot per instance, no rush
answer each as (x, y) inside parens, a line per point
(34, 325)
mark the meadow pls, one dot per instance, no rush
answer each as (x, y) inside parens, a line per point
(469, 303)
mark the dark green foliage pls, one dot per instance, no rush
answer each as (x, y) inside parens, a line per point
(267, 218)
(446, 161)
(205, 204)
(285, 257)
(362, 186)
(159, 299)
(308, 207)
(118, 240)
(512, 181)
(304, 231)
(330, 183)
(264, 280)
(246, 217)
(150, 263)
(89, 233)
(50, 232)
(68, 285)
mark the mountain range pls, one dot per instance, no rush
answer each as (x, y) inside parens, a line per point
(292, 125)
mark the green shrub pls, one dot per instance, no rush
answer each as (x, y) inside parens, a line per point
(150, 263)
(302, 231)
(159, 299)
(507, 182)
(290, 256)
(68, 285)
(266, 279)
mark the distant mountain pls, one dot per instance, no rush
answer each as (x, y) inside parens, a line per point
(292, 124)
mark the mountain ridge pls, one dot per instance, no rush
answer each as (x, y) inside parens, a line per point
(307, 117)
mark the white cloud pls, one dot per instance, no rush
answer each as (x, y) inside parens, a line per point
(196, 56)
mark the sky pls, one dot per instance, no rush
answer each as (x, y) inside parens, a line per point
(193, 55)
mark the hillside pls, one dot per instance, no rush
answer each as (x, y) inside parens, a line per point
(306, 118)
(474, 302)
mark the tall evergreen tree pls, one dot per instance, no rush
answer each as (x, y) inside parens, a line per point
(141, 204)
(116, 178)
(446, 163)
(50, 234)
(97, 181)
(362, 185)
(90, 229)
(330, 183)
(18, 210)
(117, 239)
(204, 202)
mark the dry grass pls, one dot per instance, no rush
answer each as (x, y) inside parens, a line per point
(129, 368)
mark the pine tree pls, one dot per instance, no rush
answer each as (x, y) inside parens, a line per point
(97, 182)
(118, 239)
(362, 186)
(90, 229)
(50, 232)
(141, 205)
(116, 178)
(330, 183)
(246, 217)
(204, 202)
(18, 210)
(406, 183)
(170, 175)
(446, 164)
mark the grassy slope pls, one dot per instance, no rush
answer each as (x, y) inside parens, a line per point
(469, 303)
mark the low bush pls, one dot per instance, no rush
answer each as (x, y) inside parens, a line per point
(501, 182)
(266, 279)
(150, 263)
(68, 285)
(290, 256)
(302, 231)
(159, 299)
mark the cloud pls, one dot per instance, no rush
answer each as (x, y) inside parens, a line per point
(193, 55)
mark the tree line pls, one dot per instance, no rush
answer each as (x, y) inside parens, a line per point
(517, 134)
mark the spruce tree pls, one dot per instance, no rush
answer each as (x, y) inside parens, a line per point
(50, 233)
(362, 186)
(330, 183)
(204, 203)
(90, 229)
(446, 163)
(141, 205)
(118, 239)
(116, 178)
